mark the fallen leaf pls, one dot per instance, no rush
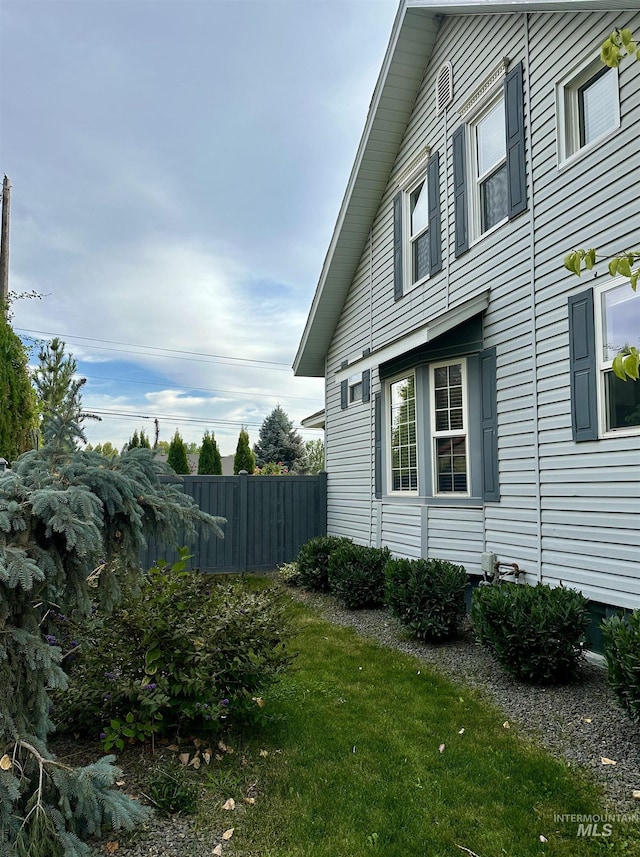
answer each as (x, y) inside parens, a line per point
(264, 753)
(206, 756)
(250, 800)
(5, 762)
(228, 834)
(229, 804)
(224, 747)
(543, 838)
(195, 762)
(636, 794)
(119, 782)
(219, 758)
(259, 701)
(441, 748)
(606, 761)
(111, 847)
(198, 742)
(217, 851)
(184, 758)
(588, 720)
(461, 731)
(505, 725)
(173, 747)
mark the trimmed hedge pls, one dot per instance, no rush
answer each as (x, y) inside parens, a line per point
(356, 575)
(427, 595)
(621, 635)
(313, 562)
(535, 632)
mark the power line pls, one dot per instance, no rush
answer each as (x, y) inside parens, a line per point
(210, 358)
(129, 415)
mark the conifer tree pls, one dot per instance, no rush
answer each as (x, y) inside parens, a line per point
(244, 459)
(18, 411)
(145, 443)
(177, 458)
(134, 441)
(278, 442)
(64, 514)
(209, 460)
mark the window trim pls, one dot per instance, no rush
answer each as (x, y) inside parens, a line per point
(355, 394)
(408, 239)
(391, 491)
(568, 89)
(434, 434)
(603, 367)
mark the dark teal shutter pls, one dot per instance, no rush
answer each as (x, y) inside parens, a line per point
(433, 191)
(460, 190)
(397, 246)
(490, 480)
(377, 444)
(582, 367)
(366, 385)
(514, 126)
(344, 390)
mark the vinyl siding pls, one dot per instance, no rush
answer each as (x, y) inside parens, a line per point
(567, 512)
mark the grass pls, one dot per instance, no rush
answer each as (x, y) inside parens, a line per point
(371, 752)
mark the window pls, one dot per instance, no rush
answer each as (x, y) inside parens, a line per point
(417, 250)
(490, 168)
(617, 325)
(588, 108)
(449, 428)
(355, 388)
(403, 435)
(418, 232)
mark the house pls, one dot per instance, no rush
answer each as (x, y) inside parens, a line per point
(470, 408)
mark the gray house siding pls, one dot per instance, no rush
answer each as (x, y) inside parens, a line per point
(567, 512)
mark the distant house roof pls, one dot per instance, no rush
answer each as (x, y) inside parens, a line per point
(315, 421)
(409, 50)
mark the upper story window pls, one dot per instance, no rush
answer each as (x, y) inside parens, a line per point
(355, 388)
(403, 434)
(418, 232)
(588, 108)
(489, 162)
(489, 155)
(449, 425)
(617, 326)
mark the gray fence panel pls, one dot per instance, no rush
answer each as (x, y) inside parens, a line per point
(268, 519)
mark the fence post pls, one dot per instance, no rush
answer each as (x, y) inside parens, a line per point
(243, 519)
(321, 504)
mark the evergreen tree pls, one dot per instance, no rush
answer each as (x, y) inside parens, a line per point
(177, 458)
(18, 410)
(63, 515)
(279, 443)
(315, 455)
(134, 441)
(244, 459)
(59, 393)
(138, 441)
(209, 461)
(145, 443)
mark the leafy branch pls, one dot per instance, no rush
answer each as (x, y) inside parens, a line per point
(618, 45)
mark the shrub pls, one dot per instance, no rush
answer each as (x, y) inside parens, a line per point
(289, 574)
(535, 632)
(313, 561)
(188, 653)
(356, 575)
(427, 595)
(621, 636)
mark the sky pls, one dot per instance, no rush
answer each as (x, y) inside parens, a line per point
(177, 167)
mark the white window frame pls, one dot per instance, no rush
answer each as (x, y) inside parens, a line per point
(474, 180)
(407, 238)
(355, 386)
(464, 432)
(389, 436)
(568, 112)
(604, 365)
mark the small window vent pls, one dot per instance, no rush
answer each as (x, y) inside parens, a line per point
(444, 87)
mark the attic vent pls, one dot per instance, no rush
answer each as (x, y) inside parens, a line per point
(444, 87)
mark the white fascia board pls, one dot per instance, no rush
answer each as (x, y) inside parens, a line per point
(498, 7)
(434, 328)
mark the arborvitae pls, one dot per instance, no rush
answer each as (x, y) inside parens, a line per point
(18, 411)
(177, 458)
(244, 459)
(145, 443)
(67, 519)
(209, 460)
(279, 443)
(134, 442)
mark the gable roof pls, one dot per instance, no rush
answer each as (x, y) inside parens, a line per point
(411, 44)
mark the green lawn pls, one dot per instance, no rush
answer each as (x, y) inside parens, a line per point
(371, 752)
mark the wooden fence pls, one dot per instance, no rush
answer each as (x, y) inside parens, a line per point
(268, 519)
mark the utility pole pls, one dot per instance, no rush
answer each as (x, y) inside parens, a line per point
(4, 246)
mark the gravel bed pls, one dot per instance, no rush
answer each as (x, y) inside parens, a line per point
(581, 722)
